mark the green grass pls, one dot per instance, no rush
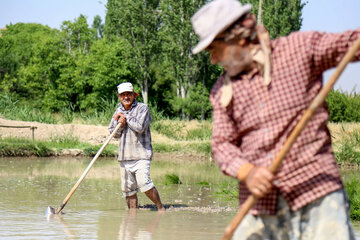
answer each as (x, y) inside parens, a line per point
(13, 147)
(11, 109)
(109, 151)
(349, 149)
(183, 130)
(352, 186)
(166, 148)
(172, 179)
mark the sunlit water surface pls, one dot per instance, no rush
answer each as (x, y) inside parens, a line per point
(197, 208)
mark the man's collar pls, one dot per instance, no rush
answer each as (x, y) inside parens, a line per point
(132, 106)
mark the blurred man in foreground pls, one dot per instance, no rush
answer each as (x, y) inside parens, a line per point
(264, 91)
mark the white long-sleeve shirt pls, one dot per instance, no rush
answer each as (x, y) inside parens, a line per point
(135, 136)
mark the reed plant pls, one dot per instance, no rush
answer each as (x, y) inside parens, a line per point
(102, 116)
(348, 150)
(64, 141)
(12, 109)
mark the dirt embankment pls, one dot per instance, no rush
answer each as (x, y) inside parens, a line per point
(93, 134)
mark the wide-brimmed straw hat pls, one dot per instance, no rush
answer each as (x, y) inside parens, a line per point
(214, 18)
(126, 87)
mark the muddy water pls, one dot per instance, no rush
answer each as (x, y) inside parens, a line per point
(199, 208)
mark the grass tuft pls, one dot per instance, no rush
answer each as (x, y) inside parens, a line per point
(172, 179)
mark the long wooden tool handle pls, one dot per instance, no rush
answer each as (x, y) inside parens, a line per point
(318, 100)
(86, 170)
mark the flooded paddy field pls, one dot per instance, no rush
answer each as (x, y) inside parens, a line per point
(198, 208)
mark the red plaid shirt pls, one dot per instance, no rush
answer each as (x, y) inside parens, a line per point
(255, 125)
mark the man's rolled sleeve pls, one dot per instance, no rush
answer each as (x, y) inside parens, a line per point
(225, 139)
(112, 126)
(328, 49)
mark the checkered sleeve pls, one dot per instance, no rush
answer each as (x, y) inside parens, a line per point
(225, 137)
(141, 121)
(327, 49)
(112, 126)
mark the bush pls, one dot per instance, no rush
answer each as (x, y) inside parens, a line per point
(344, 107)
(353, 191)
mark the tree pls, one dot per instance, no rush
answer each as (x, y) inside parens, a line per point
(178, 39)
(77, 35)
(98, 73)
(98, 27)
(137, 21)
(280, 17)
(26, 52)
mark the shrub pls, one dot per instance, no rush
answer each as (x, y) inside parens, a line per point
(343, 107)
(353, 190)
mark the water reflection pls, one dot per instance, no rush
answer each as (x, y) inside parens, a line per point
(97, 209)
(62, 223)
(129, 227)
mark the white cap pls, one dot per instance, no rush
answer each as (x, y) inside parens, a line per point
(125, 87)
(214, 18)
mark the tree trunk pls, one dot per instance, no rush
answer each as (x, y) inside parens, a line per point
(259, 17)
(145, 91)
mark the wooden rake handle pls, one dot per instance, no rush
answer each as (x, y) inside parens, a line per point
(318, 101)
(86, 170)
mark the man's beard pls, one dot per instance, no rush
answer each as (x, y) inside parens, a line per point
(237, 61)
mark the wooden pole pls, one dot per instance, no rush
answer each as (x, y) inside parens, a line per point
(318, 101)
(86, 170)
(32, 128)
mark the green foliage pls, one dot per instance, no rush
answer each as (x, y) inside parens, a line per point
(184, 70)
(76, 68)
(99, 72)
(12, 109)
(172, 179)
(175, 130)
(168, 128)
(138, 23)
(202, 133)
(98, 27)
(280, 17)
(24, 147)
(77, 35)
(227, 191)
(352, 187)
(91, 151)
(203, 148)
(65, 141)
(349, 151)
(156, 113)
(166, 148)
(203, 183)
(343, 107)
(26, 51)
(12, 147)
